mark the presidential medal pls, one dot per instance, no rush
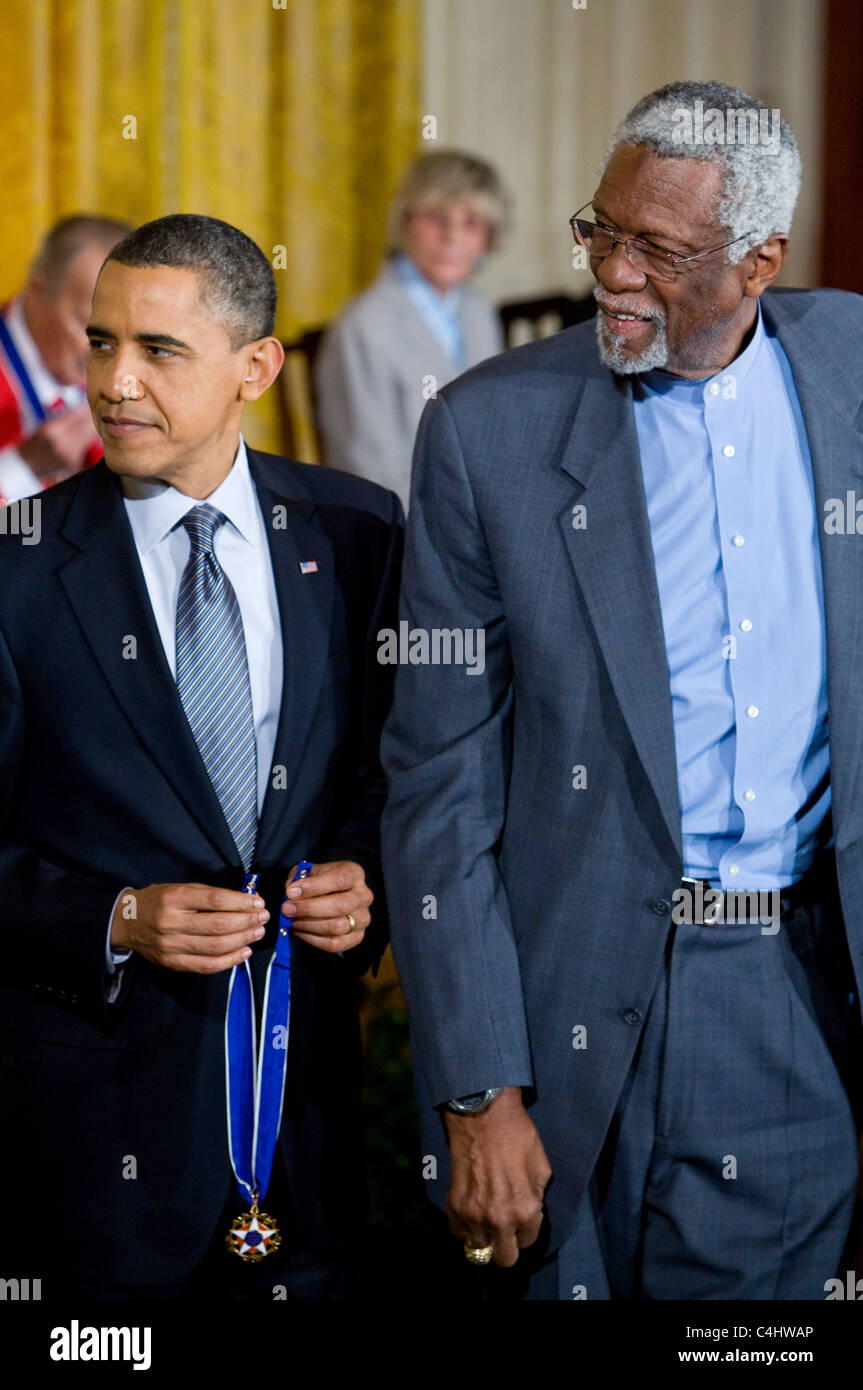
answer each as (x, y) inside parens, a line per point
(253, 1235)
(255, 1087)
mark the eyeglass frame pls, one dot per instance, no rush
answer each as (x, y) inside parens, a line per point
(625, 242)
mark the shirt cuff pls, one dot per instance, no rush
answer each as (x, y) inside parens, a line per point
(114, 958)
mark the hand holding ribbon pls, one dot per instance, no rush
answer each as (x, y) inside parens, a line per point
(322, 905)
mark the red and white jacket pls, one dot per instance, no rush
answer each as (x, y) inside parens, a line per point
(18, 419)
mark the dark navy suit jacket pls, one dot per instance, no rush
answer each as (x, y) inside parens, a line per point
(102, 785)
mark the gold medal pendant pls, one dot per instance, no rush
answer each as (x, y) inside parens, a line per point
(253, 1235)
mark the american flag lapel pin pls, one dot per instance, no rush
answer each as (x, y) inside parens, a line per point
(308, 567)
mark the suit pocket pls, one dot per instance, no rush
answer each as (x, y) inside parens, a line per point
(23, 1012)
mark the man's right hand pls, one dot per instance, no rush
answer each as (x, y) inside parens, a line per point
(499, 1174)
(59, 446)
(188, 926)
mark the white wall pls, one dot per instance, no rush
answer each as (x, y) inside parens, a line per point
(537, 87)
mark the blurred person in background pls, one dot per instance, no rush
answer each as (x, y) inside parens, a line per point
(419, 324)
(46, 431)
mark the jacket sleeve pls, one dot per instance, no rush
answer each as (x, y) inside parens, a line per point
(447, 753)
(359, 408)
(53, 918)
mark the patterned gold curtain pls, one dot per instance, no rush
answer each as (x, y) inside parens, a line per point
(290, 118)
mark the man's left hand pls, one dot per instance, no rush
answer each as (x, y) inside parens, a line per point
(318, 906)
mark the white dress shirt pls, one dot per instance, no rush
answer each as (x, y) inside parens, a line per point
(155, 511)
(17, 478)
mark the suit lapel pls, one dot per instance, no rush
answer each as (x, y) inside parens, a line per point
(417, 343)
(831, 411)
(305, 613)
(105, 586)
(612, 556)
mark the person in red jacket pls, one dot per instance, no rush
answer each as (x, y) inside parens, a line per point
(46, 432)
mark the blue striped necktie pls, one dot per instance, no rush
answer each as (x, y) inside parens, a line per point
(213, 680)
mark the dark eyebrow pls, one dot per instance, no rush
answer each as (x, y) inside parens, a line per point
(152, 339)
(646, 234)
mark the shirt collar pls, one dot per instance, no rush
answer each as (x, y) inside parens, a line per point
(415, 280)
(44, 384)
(154, 508)
(682, 391)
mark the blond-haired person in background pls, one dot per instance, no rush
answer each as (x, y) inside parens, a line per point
(419, 320)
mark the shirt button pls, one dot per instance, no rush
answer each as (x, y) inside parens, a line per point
(631, 1016)
(734, 870)
(745, 625)
(728, 451)
(752, 711)
(737, 540)
(713, 388)
(749, 795)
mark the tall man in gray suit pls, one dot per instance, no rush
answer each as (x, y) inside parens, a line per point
(638, 1080)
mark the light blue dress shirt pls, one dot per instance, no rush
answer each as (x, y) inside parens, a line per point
(731, 503)
(440, 312)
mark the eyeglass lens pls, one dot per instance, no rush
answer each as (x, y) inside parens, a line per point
(598, 242)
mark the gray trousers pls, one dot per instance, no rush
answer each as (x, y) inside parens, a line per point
(730, 1169)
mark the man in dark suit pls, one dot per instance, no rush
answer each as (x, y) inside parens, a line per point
(189, 691)
(651, 522)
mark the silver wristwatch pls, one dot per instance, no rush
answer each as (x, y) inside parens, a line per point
(475, 1104)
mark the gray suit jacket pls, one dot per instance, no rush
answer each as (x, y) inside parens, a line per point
(521, 907)
(372, 371)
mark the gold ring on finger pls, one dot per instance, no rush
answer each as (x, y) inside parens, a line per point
(478, 1254)
(352, 920)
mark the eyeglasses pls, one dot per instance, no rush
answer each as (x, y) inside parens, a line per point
(460, 219)
(599, 242)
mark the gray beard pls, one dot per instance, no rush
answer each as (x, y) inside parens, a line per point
(612, 355)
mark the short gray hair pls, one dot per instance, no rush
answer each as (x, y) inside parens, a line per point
(761, 179)
(450, 176)
(64, 242)
(238, 287)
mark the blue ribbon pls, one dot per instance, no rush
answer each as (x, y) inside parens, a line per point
(21, 372)
(255, 1092)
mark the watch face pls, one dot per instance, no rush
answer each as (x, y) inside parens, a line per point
(473, 1105)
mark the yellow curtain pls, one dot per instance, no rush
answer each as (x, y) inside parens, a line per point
(290, 118)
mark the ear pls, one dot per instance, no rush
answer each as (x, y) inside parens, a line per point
(767, 261)
(262, 362)
(36, 285)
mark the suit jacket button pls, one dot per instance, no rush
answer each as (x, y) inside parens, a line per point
(632, 1016)
(661, 906)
